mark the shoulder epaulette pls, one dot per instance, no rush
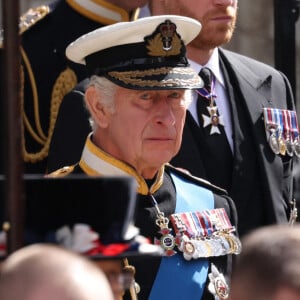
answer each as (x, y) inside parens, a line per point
(28, 19)
(62, 172)
(186, 174)
(32, 16)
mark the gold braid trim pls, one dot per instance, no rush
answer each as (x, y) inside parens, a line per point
(64, 83)
(32, 16)
(40, 137)
(135, 14)
(137, 77)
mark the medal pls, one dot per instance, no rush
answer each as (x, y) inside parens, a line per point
(197, 234)
(188, 247)
(214, 120)
(204, 234)
(225, 245)
(208, 92)
(217, 284)
(273, 142)
(216, 245)
(281, 144)
(167, 240)
(295, 133)
(271, 126)
(289, 147)
(282, 131)
(297, 147)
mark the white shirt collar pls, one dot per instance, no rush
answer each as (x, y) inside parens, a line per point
(213, 64)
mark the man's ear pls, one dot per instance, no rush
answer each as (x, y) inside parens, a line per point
(98, 112)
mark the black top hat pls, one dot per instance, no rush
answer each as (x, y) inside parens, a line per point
(90, 215)
(148, 53)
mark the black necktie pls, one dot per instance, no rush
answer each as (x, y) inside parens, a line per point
(213, 143)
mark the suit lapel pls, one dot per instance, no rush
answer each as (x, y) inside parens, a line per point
(251, 85)
(257, 91)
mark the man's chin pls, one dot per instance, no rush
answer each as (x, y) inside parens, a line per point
(158, 159)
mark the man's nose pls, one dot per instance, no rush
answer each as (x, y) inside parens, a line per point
(165, 113)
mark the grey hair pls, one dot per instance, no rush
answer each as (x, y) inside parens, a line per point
(106, 89)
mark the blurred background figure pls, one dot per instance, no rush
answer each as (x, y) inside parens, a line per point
(92, 216)
(46, 73)
(269, 265)
(44, 272)
(120, 277)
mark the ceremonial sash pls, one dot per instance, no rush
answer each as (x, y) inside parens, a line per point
(176, 277)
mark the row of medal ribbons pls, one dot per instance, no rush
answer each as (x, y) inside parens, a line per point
(282, 131)
(205, 234)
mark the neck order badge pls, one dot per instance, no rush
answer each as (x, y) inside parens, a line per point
(208, 93)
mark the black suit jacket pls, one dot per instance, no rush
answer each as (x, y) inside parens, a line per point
(260, 86)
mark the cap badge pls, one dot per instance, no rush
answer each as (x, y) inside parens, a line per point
(165, 41)
(167, 30)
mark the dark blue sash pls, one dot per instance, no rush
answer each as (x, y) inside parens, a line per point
(176, 277)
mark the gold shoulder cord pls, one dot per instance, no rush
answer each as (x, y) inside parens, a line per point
(135, 14)
(64, 83)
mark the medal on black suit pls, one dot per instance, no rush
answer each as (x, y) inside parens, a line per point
(297, 147)
(295, 133)
(287, 133)
(207, 92)
(282, 131)
(273, 141)
(281, 143)
(290, 148)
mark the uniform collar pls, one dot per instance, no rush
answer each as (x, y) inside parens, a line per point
(99, 11)
(96, 162)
